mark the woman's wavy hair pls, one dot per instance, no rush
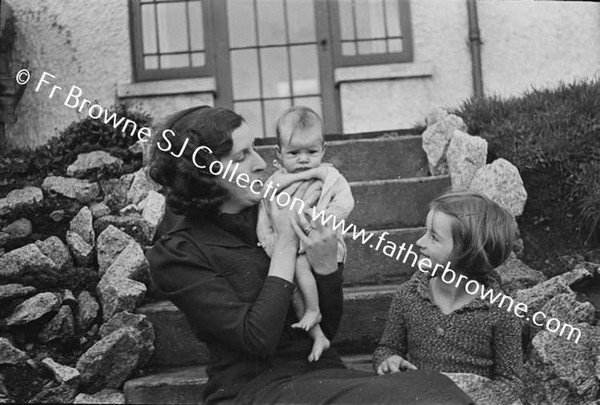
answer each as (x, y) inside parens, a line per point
(190, 190)
(483, 233)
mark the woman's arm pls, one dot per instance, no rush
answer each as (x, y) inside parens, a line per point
(210, 303)
(331, 300)
(212, 306)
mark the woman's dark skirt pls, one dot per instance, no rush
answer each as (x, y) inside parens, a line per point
(291, 384)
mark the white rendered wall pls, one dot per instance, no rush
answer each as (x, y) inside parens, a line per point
(537, 43)
(525, 43)
(440, 32)
(83, 43)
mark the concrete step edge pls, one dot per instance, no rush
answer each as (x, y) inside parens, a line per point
(337, 142)
(350, 293)
(170, 376)
(380, 134)
(410, 180)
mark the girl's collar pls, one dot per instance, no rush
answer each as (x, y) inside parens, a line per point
(421, 286)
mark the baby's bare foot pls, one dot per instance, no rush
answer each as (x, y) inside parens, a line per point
(319, 346)
(310, 319)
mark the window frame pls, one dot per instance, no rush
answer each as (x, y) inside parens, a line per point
(141, 75)
(405, 56)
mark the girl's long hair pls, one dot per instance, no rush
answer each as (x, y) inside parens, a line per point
(483, 233)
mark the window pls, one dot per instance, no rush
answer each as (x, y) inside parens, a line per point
(268, 55)
(171, 38)
(367, 32)
(273, 55)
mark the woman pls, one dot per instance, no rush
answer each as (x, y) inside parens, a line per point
(236, 299)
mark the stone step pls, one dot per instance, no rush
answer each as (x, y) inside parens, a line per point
(380, 158)
(389, 204)
(365, 312)
(184, 385)
(380, 204)
(367, 265)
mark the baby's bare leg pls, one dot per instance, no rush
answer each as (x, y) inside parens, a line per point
(320, 343)
(308, 287)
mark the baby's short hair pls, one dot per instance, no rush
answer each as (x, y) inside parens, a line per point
(298, 117)
(483, 233)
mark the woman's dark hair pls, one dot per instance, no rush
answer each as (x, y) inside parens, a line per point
(191, 190)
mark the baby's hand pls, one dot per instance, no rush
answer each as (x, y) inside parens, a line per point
(394, 364)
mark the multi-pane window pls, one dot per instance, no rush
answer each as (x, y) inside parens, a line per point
(268, 55)
(273, 57)
(170, 40)
(371, 31)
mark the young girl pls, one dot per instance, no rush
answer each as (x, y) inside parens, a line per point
(435, 324)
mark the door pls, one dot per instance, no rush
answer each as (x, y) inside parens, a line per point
(274, 54)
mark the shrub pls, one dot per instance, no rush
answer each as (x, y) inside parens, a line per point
(586, 191)
(555, 129)
(88, 135)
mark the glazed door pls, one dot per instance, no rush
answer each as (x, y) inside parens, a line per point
(274, 54)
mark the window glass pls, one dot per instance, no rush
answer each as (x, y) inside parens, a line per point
(271, 22)
(242, 30)
(370, 19)
(252, 113)
(346, 12)
(198, 59)
(394, 45)
(151, 62)
(301, 20)
(149, 29)
(275, 72)
(244, 73)
(273, 109)
(348, 48)
(196, 26)
(370, 27)
(305, 69)
(172, 27)
(174, 61)
(370, 47)
(391, 17)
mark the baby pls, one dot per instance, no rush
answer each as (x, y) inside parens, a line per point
(300, 149)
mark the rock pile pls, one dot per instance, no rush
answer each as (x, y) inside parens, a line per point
(452, 151)
(561, 367)
(39, 318)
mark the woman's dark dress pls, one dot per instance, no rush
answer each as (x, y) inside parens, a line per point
(213, 270)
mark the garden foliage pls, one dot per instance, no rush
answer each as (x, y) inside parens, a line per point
(552, 129)
(88, 135)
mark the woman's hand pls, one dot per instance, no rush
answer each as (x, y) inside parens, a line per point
(281, 219)
(320, 244)
(394, 364)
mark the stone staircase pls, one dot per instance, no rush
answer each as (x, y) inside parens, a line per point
(388, 177)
